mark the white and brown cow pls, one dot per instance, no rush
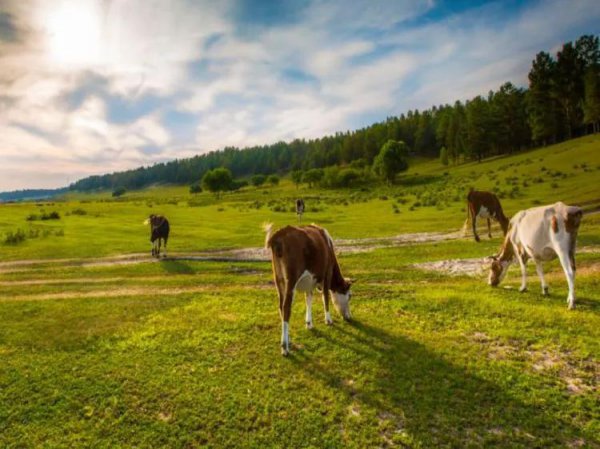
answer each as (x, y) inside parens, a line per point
(303, 258)
(299, 209)
(159, 230)
(484, 205)
(541, 233)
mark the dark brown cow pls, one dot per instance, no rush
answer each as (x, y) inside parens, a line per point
(484, 205)
(299, 208)
(159, 230)
(303, 258)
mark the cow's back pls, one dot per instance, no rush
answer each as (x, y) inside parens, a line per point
(296, 249)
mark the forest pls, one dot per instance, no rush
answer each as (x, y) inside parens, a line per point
(561, 102)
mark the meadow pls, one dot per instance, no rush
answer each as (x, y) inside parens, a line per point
(103, 346)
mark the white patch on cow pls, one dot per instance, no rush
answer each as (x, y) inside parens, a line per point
(328, 319)
(341, 301)
(329, 239)
(306, 282)
(484, 212)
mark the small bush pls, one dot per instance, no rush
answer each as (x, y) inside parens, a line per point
(14, 238)
(119, 191)
(196, 188)
(79, 211)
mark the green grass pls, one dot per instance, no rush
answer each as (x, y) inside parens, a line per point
(183, 354)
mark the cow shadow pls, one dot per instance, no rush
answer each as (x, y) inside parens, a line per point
(433, 400)
(174, 266)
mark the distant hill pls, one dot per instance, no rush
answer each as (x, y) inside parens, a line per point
(30, 194)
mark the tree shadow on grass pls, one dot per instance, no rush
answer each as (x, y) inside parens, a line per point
(437, 403)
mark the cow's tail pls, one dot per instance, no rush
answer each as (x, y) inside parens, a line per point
(268, 230)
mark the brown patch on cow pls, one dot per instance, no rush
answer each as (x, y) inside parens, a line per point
(573, 221)
(554, 222)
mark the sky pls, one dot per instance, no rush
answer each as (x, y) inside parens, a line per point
(95, 86)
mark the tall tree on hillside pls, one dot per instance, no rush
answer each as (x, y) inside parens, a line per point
(591, 103)
(541, 105)
(391, 160)
(509, 107)
(568, 86)
(478, 124)
(588, 49)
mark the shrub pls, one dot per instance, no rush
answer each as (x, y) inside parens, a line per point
(14, 238)
(273, 180)
(79, 211)
(119, 191)
(196, 188)
(258, 180)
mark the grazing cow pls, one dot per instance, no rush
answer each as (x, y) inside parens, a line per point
(484, 205)
(299, 209)
(541, 233)
(159, 229)
(303, 258)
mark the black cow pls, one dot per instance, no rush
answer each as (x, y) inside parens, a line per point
(299, 208)
(159, 229)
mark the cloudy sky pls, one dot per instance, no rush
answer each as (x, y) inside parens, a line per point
(94, 86)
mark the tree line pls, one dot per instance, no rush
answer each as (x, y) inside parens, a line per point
(561, 102)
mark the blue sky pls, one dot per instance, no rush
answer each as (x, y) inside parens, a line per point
(95, 86)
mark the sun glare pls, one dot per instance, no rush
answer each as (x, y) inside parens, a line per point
(74, 33)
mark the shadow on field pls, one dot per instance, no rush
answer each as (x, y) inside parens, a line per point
(430, 399)
(176, 267)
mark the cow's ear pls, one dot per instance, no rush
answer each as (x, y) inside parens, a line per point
(350, 281)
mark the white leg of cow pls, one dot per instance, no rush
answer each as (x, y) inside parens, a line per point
(285, 337)
(523, 287)
(309, 321)
(563, 255)
(540, 271)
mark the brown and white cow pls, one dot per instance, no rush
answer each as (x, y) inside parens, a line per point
(159, 230)
(299, 209)
(484, 205)
(303, 258)
(541, 233)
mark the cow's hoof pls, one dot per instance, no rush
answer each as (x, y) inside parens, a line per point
(309, 325)
(329, 323)
(545, 291)
(284, 352)
(522, 289)
(571, 306)
(477, 239)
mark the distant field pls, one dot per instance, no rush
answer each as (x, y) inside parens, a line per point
(183, 354)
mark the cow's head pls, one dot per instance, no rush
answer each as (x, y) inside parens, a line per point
(497, 270)
(341, 300)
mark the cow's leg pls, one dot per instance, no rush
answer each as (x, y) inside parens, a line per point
(474, 223)
(569, 269)
(540, 271)
(165, 254)
(522, 258)
(158, 247)
(489, 228)
(286, 312)
(309, 321)
(328, 319)
(152, 250)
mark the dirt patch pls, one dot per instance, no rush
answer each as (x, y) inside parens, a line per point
(457, 267)
(131, 291)
(579, 376)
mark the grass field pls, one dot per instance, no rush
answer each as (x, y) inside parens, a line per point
(98, 353)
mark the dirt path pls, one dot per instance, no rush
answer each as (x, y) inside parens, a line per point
(256, 254)
(132, 291)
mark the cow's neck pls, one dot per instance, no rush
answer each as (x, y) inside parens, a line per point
(337, 280)
(507, 252)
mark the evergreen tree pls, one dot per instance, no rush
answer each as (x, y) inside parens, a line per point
(541, 106)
